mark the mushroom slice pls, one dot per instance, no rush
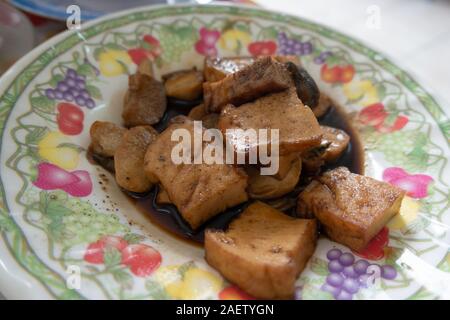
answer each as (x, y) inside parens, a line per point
(307, 89)
(145, 101)
(105, 138)
(129, 159)
(269, 187)
(184, 85)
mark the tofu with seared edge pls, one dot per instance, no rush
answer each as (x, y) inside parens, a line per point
(199, 191)
(263, 251)
(264, 76)
(352, 208)
(283, 111)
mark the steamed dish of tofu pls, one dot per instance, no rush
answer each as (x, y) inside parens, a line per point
(258, 230)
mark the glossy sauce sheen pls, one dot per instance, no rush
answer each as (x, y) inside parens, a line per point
(167, 216)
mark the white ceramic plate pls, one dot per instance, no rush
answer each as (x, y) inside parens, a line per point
(54, 231)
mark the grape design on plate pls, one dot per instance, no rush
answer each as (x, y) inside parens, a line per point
(348, 275)
(71, 89)
(288, 46)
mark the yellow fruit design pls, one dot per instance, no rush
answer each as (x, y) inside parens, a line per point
(114, 62)
(52, 149)
(196, 283)
(364, 91)
(409, 211)
(233, 39)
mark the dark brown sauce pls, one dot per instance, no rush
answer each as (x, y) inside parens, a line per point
(168, 218)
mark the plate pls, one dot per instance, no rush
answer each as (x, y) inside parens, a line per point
(56, 9)
(54, 234)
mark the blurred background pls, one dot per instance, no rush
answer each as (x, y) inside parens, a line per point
(415, 33)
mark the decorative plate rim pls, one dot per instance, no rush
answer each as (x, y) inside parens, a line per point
(430, 100)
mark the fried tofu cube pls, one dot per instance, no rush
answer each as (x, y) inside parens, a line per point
(216, 69)
(263, 251)
(199, 191)
(351, 207)
(283, 111)
(264, 76)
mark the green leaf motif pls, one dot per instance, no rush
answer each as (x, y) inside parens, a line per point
(114, 46)
(43, 103)
(185, 267)
(124, 278)
(52, 207)
(112, 257)
(73, 146)
(319, 266)
(133, 238)
(310, 292)
(35, 135)
(98, 52)
(422, 294)
(156, 291)
(55, 79)
(87, 70)
(94, 92)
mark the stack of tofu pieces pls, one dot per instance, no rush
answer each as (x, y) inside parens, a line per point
(263, 251)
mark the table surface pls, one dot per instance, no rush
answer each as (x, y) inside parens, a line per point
(415, 33)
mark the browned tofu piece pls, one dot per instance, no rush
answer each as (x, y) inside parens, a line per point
(216, 69)
(333, 145)
(264, 76)
(197, 112)
(184, 84)
(269, 187)
(199, 191)
(289, 58)
(129, 159)
(105, 137)
(162, 197)
(351, 207)
(322, 106)
(263, 251)
(145, 101)
(298, 128)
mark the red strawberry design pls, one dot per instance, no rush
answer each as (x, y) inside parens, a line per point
(330, 75)
(375, 248)
(262, 48)
(373, 115)
(234, 293)
(397, 124)
(95, 251)
(142, 259)
(347, 73)
(138, 55)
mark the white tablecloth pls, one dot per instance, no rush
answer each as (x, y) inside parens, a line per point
(414, 33)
